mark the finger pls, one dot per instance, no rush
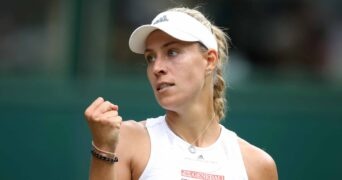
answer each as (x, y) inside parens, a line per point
(110, 114)
(110, 118)
(104, 107)
(94, 105)
(115, 121)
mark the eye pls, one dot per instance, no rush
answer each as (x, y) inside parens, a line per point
(172, 52)
(149, 58)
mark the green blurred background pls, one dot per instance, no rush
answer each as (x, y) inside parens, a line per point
(57, 56)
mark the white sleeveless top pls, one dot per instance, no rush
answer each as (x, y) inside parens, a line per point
(170, 158)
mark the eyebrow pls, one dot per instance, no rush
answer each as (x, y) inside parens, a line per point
(165, 45)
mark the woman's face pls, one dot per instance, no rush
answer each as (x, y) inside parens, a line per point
(176, 71)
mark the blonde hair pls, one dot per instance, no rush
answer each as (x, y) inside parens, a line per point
(222, 42)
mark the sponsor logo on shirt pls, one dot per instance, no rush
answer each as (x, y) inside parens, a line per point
(194, 175)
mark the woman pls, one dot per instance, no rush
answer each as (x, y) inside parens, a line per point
(185, 54)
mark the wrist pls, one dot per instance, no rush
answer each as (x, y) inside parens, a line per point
(103, 149)
(106, 147)
(103, 155)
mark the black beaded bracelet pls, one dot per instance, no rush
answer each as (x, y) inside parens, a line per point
(104, 158)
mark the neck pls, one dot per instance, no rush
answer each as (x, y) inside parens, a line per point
(197, 131)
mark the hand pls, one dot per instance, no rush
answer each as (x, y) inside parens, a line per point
(104, 123)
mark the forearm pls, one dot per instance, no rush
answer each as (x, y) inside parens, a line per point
(100, 169)
(104, 122)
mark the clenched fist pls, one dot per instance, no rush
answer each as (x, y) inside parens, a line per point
(104, 123)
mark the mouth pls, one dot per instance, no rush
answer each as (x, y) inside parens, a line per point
(164, 85)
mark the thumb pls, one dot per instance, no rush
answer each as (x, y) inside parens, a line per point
(114, 107)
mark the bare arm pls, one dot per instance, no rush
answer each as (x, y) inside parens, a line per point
(259, 164)
(101, 170)
(105, 123)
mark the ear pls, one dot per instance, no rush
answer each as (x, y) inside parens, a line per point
(212, 59)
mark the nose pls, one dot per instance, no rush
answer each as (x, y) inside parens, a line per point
(159, 67)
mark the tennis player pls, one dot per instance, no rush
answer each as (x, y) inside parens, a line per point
(185, 54)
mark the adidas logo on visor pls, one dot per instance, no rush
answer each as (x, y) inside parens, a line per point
(161, 19)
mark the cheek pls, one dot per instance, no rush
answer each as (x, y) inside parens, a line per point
(148, 73)
(150, 76)
(194, 70)
(192, 77)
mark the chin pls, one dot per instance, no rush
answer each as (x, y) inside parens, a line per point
(166, 104)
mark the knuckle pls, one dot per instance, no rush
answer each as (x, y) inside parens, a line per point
(119, 119)
(115, 113)
(94, 118)
(87, 112)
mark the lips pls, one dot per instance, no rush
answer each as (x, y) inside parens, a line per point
(164, 85)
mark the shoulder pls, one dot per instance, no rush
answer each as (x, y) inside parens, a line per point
(133, 148)
(258, 163)
(135, 126)
(132, 131)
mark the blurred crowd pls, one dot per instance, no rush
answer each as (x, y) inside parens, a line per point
(281, 36)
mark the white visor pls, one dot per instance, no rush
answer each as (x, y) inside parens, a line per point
(178, 25)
